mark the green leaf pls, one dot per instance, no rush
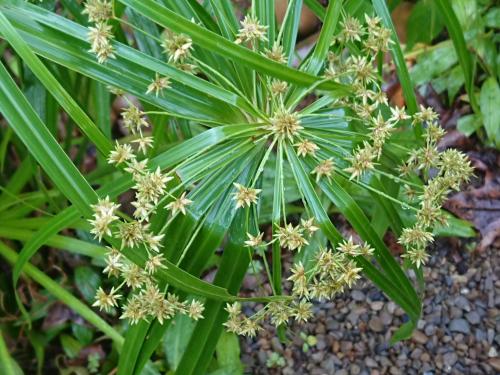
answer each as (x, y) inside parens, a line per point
(290, 28)
(226, 48)
(235, 261)
(134, 338)
(457, 36)
(455, 228)
(466, 11)
(228, 355)
(167, 159)
(489, 103)
(310, 196)
(404, 332)
(469, 124)
(397, 55)
(64, 219)
(70, 244)
(82, 333)
(407, 297)
(424, 23)
(44, 148)
(207, 239)
(227, 21)
(403, 293)
(176, 339)
(317, 59)
(316, 8)
(265, 10)
(87, 281)
(6, 361)
(70, 346)
(434, 63)
(73, 185)
(492, 18)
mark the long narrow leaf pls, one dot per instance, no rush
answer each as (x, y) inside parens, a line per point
(397, 55)
(6, 361)
(464, 57)
(222, 46)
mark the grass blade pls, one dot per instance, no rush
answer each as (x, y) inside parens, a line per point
(317, 59)
(290, 28)
(265, 10)
(464, 57)
(6, 362)
(316, 8)
(397, 55)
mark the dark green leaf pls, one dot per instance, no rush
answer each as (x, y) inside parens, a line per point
(489, 101)
(424, 23)
(87, 281)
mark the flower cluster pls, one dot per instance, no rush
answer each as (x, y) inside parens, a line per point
(329, 273)
(277, 312)
(251, 31)
(449, 168)
(99, 12)
(289, 236)
(369, 100)
(178, 48)
(146, 299)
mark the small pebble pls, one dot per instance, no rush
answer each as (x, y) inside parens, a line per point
(473, 317)
(459, 325)
(376, 324)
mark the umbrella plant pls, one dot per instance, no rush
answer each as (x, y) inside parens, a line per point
(232, 140)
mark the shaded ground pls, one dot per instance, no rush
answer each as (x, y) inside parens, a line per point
(459, 332)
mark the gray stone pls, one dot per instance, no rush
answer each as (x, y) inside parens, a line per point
(449, 359)
(495, 363)
(328, 365)
(430, 329)
(276, 344)
(459, 325)
(473, 317)
(386, 318)
(462, 303)
(370, 362)
(318, 356)
(416, 353)
(358, 295)
(490, 335)
(345, 346)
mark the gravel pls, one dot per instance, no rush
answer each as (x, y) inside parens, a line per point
(459, 331)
